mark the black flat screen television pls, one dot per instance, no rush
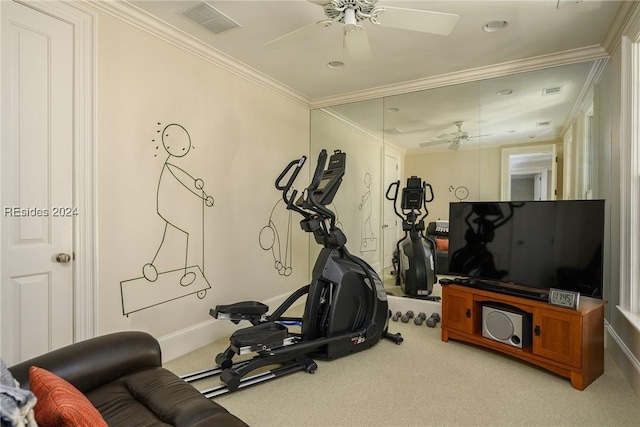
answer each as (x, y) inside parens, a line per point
(534, 245)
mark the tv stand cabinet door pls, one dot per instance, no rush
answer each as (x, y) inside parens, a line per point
(558, 336)
(457, 310)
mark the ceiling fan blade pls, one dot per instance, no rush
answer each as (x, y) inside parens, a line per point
(356, 44)
(479, 136)
(298, 34)
(455, 144)
(433, 143)
(418, 20)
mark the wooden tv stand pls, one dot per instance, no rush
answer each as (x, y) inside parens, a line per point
(567, 342)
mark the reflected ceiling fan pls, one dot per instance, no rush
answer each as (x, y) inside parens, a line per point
(352, 13)
(455, 140)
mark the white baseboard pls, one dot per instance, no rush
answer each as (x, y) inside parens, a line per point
(624, 358)
(187, 340)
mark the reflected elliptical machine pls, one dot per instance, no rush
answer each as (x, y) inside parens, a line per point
(346, 309)
(414, 259)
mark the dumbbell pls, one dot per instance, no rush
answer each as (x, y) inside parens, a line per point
(433, 320)
(421, 317)
(396, 316)
(407, 316)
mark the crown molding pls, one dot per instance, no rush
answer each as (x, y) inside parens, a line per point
(349, 124)
(475, 74)
(585, 97)
(626, 22)
(142, 20)
(627, 17)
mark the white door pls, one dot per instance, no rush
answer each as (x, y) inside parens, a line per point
(390, 225)
(37, 172)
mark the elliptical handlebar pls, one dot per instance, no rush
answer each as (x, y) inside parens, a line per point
(425, 201)
(286, 187)
(309, 192)
(317, 175)
(395, 185)
(298, 163)
(424, 186)
(309, 204)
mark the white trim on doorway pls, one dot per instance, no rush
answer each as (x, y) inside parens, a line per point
(84, 162)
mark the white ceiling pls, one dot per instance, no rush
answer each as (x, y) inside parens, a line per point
(537, 30)
(527, 115)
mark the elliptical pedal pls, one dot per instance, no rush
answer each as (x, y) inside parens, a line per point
(244, 310)
(259, 337)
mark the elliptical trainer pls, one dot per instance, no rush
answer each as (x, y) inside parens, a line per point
(346, 309)
(415, 259)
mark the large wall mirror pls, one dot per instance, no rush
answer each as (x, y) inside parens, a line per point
(529, 136)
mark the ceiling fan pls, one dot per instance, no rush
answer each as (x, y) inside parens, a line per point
(455, 140)
(352, 13)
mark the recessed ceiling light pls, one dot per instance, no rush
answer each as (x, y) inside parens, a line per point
(335, 64)
(393, 110)
(504, 92)
(494, 26)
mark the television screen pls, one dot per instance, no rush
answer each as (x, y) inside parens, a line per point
(536, 244)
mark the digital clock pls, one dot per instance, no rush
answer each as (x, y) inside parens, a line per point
(563, 298)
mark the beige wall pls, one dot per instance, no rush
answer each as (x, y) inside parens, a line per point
(476, 169)
(242, 136)
(358, 203)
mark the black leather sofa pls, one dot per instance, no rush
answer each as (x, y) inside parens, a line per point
(122, 376)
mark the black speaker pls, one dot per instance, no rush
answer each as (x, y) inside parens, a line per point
(507, 325)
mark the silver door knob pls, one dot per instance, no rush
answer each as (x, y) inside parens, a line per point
(63, 258)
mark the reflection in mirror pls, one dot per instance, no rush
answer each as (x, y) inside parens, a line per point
(355, 129)
(528, 173)
(440, 131)
(455, 137)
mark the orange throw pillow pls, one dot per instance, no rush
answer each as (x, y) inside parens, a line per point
(442, 244)
(60, 403)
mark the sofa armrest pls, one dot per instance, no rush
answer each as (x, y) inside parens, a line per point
(90, 363)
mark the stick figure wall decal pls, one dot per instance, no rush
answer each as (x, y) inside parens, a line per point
(368, 242)
(271, 237)
(460, 192)
(175, 189)
(270, 240)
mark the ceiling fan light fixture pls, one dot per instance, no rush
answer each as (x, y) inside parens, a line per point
(493, 26)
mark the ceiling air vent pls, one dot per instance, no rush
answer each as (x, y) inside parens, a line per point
(208, 17)
(551, 90)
